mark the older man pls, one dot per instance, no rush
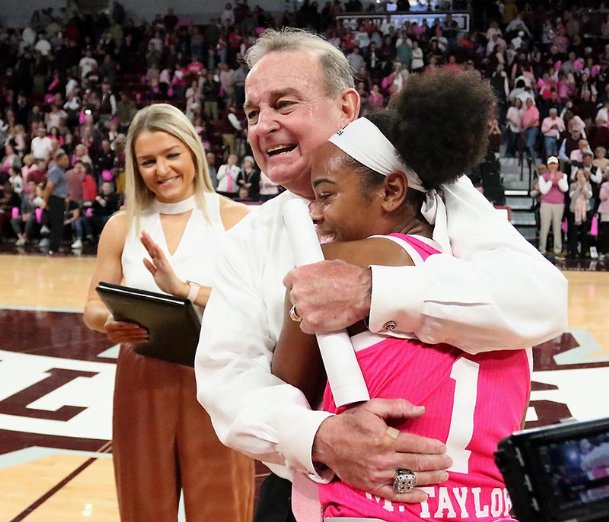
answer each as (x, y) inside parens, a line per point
(552, 127)
(299, 91)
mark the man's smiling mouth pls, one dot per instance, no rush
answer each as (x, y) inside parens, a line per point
(280, 149)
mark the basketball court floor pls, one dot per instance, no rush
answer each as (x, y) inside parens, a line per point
(56, 381)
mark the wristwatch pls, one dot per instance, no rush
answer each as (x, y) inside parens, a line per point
(194, 291)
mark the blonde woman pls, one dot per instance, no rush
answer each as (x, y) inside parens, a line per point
(163, 441)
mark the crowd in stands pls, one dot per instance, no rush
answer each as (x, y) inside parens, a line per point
(74, 82)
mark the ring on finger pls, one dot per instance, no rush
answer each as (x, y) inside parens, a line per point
(404, 482)
(294, 314)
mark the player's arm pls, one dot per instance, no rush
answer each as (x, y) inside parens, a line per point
(296, 359)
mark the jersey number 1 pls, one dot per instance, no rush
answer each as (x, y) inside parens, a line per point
(465, 374)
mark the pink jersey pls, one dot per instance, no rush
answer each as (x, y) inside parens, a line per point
(471, 402)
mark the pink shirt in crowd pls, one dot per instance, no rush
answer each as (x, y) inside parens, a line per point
(547, 127)
(530, 117)
(553, 191)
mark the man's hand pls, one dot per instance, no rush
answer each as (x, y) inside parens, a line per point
(358, 448)
(329, 295)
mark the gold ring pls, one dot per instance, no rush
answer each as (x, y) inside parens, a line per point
(294, 314)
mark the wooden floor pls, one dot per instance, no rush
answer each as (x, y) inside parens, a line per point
(49, 473)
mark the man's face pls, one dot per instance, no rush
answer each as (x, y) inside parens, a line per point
(63, 161)
(289, 116)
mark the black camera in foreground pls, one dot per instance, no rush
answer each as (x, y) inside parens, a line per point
(558, 473)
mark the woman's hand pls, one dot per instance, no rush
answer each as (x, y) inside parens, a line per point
(123, 332)
(161, 269)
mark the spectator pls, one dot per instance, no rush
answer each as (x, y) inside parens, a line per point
(576, 158)
(89, 188)
(227, 177)
(268, 188)
(599, 134)
(103, 158)
(239, 81)
(125, 110)
(210, 157)
(227, 82)
(54, 116)
(355, 59)
(530, 126)
(16, 180)
(227, 17)
(375, 100)
(417, 63)
(9, 199)
(514, 127)
(81, 154)
(211, 96)
(193, 99)
(603, 209)
(249, 179)
(403, 49)
(107, 106)
(580, 193)
(73, 219)
(231, 128)
(104, 206)
(86, 65)
(41, 145)
(553, 185)
(552, 127)
(600, 158)
(25, 224)
(11, 159)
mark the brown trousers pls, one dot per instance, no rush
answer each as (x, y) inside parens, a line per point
(163, 441)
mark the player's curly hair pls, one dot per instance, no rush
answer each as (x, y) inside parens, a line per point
(440, 123)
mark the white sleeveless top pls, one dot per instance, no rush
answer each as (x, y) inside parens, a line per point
(194, 258)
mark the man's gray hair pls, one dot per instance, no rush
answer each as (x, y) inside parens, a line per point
(335, 67)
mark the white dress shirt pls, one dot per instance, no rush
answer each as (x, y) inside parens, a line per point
(500, 293)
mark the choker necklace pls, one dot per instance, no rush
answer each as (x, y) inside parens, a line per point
(179, 207)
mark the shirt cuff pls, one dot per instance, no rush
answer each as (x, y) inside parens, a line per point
(298, 429)
(396, 304)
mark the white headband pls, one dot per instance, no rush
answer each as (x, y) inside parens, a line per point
(363, 141)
